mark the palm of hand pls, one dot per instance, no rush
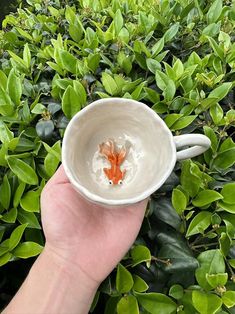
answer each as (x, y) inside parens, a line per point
(92, 237)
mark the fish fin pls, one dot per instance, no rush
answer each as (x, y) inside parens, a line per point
(105, 150)
(121, 155)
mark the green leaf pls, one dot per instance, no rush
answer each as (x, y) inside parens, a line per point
(225, 159)
(216, 280)
(176, 292)
(221, 91)
(140, 254)
(124, 280)
(153, 65)
(28, 218)
(16, 236)
(4, 259)
(118, 21)
(109, 84)
(5, 134)
(139, 284)
(14, 87)
(18, 194)
(209, 132)
(80, 91)
(66, 60)
(206, 197)
(157, 48)
(10, 216)
(228, 193)
(27, 249)
(27, 55)
(171, 32)
(228, 298)
(206, 303)
(156, 303)
(5, 193)
(53, 158)
(230, 208)
(216, 113)
(22, 170)
(128, 305)
(22, 64)
(70, 102)
(217, 49)
(30, 201)
(179, 201)
(215, 11)
(211, 262)
(189, 180)
(3, 80)
(6, 105)
(183, 122)
(199, 223)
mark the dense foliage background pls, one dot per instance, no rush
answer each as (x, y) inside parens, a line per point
(178, 57)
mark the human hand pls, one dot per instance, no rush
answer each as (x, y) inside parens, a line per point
(88, 237)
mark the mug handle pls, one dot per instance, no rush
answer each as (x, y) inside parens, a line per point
(200, 143)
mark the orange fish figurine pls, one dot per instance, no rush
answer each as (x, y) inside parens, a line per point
(116, 158)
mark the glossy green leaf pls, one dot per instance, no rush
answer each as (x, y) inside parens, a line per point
(221, 91)
(228, 298)
(14, 87)
(214, 11)
(179, 201)
(4, 259)
(5, 193)
(216, 113)
(199, 223)
(228, 193)
(27, 249)
(22, 170)
(30, 201)
(211, 262)
(109, 84)
(27, 55)
(28, 218)
(16, 236)
(176, 292)
(216, 280)
(10, 216)
(156, 303)
(139, 284)
(190, 181)
(3, 80)
(124, 280)
(67, 61)
(128, 305)
(140, 254)
(5, 134)
(225, 159)
(80, 91)
(18, 194)
(206, 303)
(206, 197)
(70, 102)
(6, 105)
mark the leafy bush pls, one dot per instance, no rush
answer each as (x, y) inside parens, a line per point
(178, 57)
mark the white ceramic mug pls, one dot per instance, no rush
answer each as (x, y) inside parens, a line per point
(150, 159)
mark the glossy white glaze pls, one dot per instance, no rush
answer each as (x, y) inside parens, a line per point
(151, 153)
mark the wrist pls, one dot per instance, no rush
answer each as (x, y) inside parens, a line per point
(67, 263)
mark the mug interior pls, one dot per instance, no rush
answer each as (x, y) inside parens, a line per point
(150, 150)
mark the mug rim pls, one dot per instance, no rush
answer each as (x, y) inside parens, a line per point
(96, 198)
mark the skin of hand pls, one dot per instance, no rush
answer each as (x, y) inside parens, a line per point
(86, 237)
